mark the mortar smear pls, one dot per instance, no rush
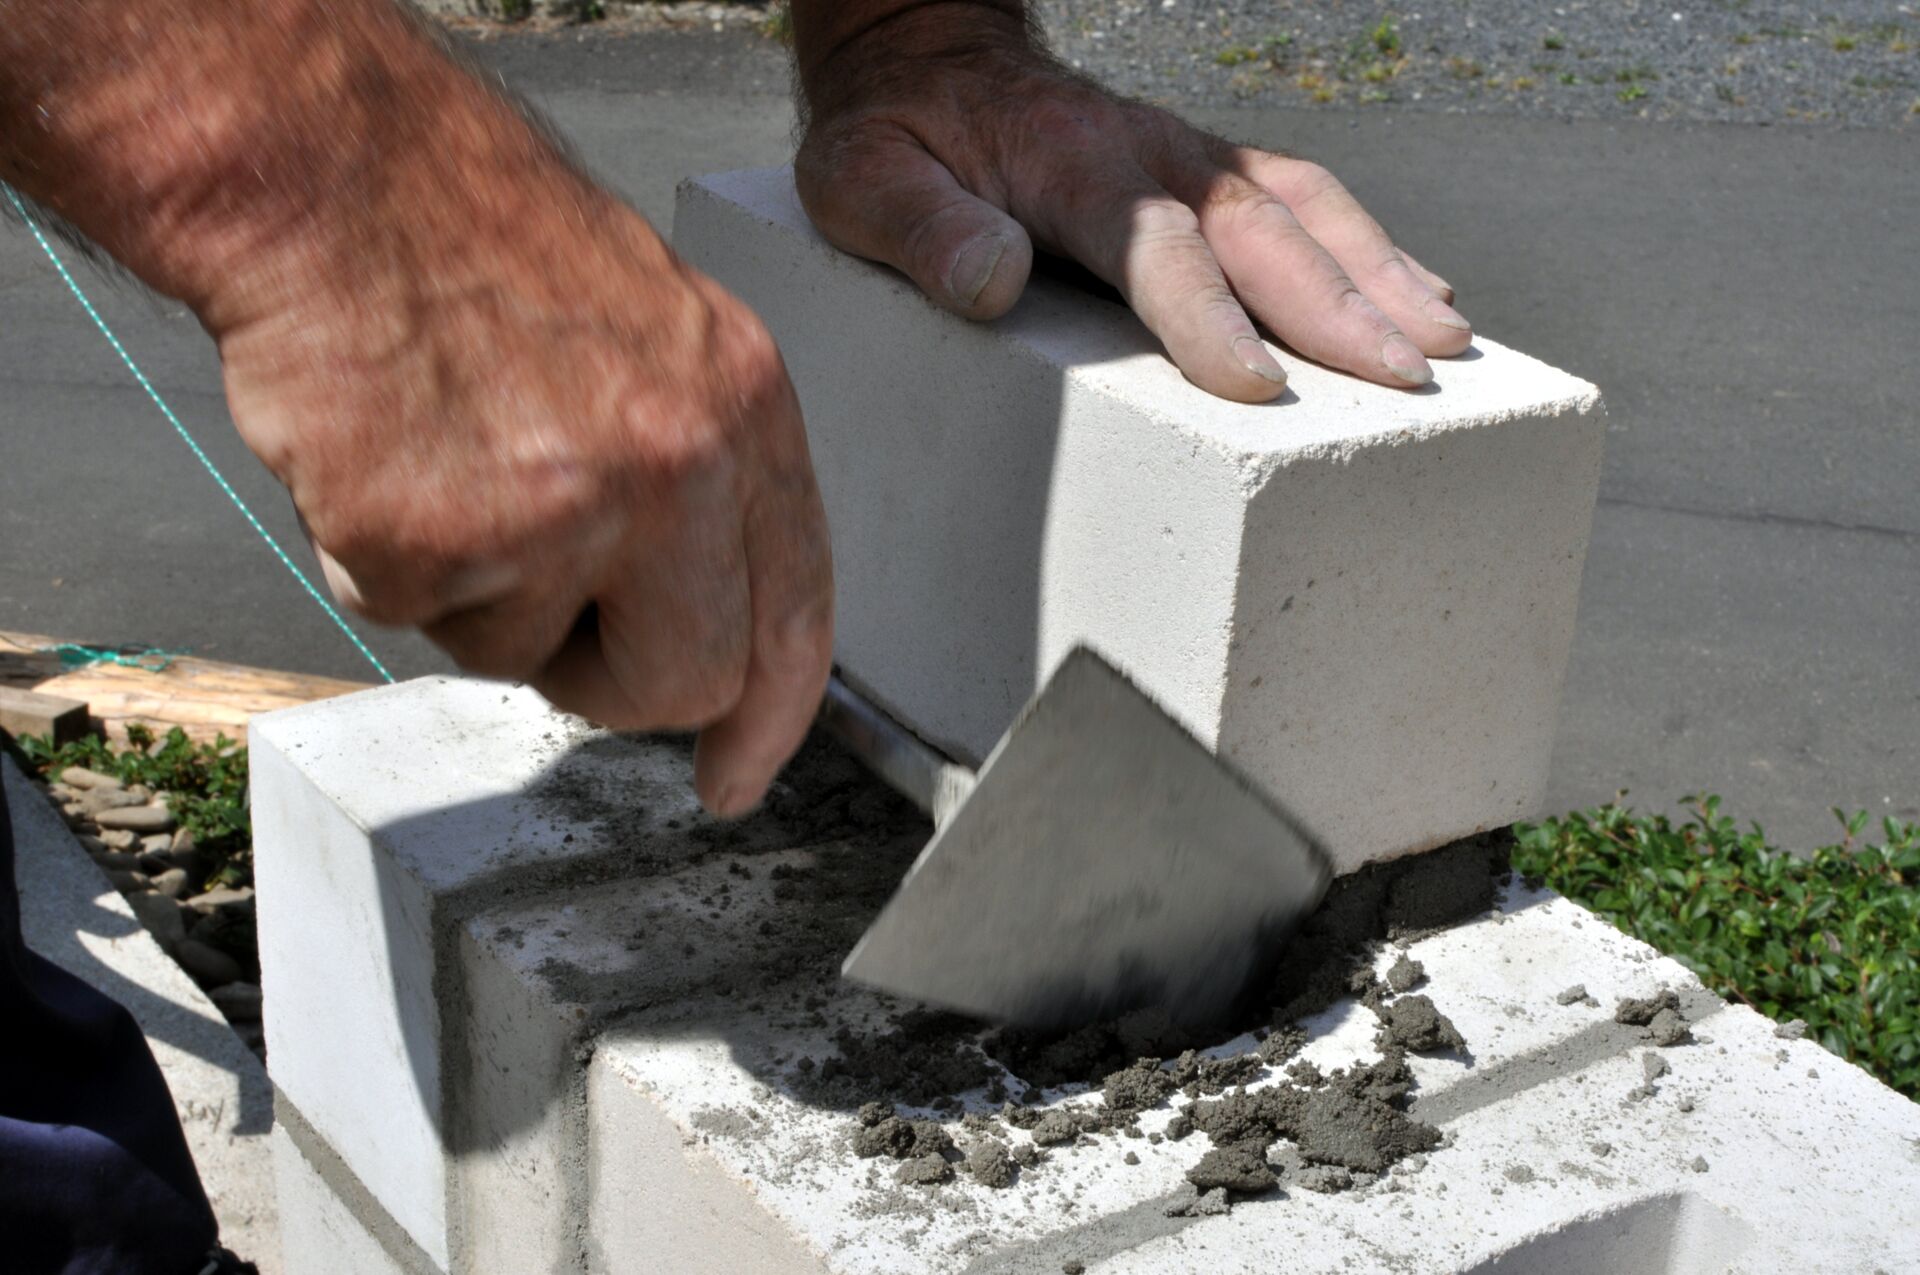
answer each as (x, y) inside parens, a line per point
(1351, 1123)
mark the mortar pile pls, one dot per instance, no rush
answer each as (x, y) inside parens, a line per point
(1266, 1117)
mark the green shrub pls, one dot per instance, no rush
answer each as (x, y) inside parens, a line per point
(1833, 939)
(208, 783)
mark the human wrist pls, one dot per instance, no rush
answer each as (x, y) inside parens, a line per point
(839, 48)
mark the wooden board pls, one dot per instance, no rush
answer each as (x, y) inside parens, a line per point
(205, 698)
(24, 712)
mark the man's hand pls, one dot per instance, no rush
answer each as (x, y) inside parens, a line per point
(506, 412)
(506, 435)
(941, 141)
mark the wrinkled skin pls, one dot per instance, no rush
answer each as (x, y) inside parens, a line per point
(943, 142)
(582, 468)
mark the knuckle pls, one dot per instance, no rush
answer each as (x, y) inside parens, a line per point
(1236, 204)
(1359, 305)
(680, 455)
(1313, 184)
(1387, 259)
(1311, 176)
(752, 374)
(840, 156)
(1160, 220)
(801, 644)
(1220, 308)
(704, 695)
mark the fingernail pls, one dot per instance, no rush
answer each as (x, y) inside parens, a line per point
(1404, 360)
(973, 267)
(345, 591)
(1445, 315)
(723, 800)
(1253, 355)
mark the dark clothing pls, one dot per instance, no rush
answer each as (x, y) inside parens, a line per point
(95, 1177)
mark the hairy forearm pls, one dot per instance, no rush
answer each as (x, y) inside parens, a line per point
(823, 29)
(223, 148)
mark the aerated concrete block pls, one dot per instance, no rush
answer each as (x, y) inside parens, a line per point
(1363, 596)
(1750, 1153)
(384, 821)
(634, 1031)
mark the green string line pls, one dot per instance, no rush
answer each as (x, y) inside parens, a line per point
(74, 655)
(205, 460)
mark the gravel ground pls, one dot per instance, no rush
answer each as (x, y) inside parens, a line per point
(1848, 62)
(1844, 61)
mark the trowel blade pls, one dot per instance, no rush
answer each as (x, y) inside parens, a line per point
(1105, 861)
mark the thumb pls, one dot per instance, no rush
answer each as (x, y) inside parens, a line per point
(887, 199)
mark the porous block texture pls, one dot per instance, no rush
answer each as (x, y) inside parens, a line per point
(1362, 596)
(644, 1059)
(323, 1233)
(383, 821)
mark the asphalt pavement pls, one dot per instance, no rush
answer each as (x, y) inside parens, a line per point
(1748, 298)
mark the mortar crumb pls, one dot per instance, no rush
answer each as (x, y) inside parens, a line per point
(1639, 1011)
(1237, 1168)
(1412, 1023)
(1202, 1204)
(990, 1164)
(1668, 1028)
(924, 1170)
(1326, 1179)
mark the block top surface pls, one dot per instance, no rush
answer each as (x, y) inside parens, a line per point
(1541, 1086)
(708, 972)
(1103, 347)
(460, 779)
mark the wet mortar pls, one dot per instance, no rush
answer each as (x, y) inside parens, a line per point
(1327, 1132)
(933, 1097)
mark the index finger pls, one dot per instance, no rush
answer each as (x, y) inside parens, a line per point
(790, 580)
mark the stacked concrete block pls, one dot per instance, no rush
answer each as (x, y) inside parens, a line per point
(1363, 596)
(530, 1012)
(384, 825)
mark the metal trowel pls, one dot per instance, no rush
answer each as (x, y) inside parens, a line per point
(1102, 860)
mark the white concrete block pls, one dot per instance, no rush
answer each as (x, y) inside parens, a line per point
(670, 1127)
(382, 821)
(1363, 596)
(322, 1236)
(662, 1202)
(325, 1232)
(1799, 1165)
